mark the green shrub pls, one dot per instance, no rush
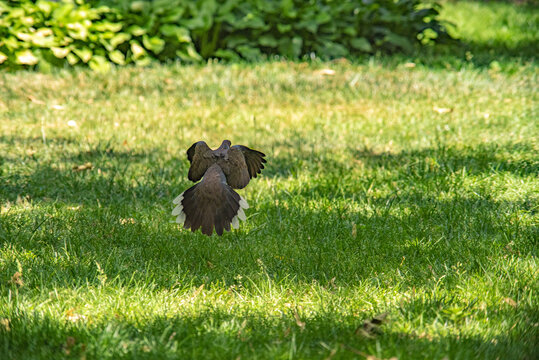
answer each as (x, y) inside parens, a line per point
(100, 32)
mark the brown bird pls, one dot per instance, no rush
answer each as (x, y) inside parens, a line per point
(213, 201)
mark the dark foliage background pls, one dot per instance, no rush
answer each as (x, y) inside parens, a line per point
(100, 32)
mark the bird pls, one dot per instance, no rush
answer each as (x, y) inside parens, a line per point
(212, 202)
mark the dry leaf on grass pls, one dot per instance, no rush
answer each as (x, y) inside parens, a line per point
(16, 279)
(127, 221)
(34, 100)
(70, 342)
(331, 354)
(287, 332)
(441, 110)
(6, 324)
(30, 152)
(510, 302)
(371, 327)
(87, 166)
(299, 323)
(409, 65)
(74, 317)
(325, 72)
(341, 60)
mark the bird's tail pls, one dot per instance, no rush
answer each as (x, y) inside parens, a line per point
(195, 209)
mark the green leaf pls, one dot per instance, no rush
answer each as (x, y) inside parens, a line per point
(267, 40)
(333, 50)
(249, 52)
(323, 17)
(291, 47)
(361, 44)
(136, 30)
(118, 39)
(143, 61)
(180, 33)
(26, 57)
(399, 41)
(44, 6)
(84, 54)
(283, 28)
(137, 50)
(60, 52)
(188, 54)
(117, 57)
(155, 44)
(3, 57)
(77, 31)
(107, 26)
(137, 6)
(226, 54)
(174, 15)
(72, 59)
(100, 64)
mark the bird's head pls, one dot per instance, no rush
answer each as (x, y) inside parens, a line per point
(225, 145)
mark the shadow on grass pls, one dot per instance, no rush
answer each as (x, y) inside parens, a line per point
(100, 175)
(439, 161)
(304, 235)
(461, 53)
(216, 333)
(485, 158)
(122, 220)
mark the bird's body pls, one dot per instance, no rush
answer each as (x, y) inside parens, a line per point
(213, 203)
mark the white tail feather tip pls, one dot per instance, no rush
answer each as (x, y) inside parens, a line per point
(243, 203)
(241, 214)
(177, 210)
(235, 222)
(181, 219)
(178, 199)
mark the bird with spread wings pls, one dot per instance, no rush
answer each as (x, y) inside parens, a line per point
(213, 203)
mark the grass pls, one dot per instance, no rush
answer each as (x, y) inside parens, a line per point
(374, 200)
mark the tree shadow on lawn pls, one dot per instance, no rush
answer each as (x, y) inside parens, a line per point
(107, 180)
(442, 160)
(125, 224)
(409, 240)
(481, 55)
(219, 333)
(476, 160)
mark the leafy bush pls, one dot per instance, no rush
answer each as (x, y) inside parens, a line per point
(100, 32)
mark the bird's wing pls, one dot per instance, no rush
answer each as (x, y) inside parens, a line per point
(235, 169)
(253, 158)
(201, 158)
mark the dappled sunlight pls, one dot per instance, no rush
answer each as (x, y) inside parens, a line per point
(388, 189)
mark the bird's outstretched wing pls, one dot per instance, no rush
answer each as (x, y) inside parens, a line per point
(253, 158)
(201, 158)
(235, 168)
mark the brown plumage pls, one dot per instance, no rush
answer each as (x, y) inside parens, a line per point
(213, 203)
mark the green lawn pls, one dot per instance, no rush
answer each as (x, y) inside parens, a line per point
(394, 189)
